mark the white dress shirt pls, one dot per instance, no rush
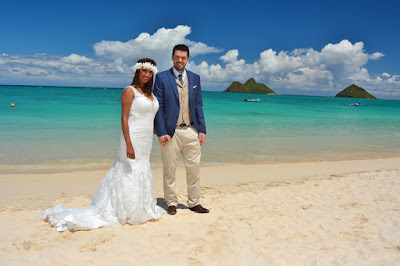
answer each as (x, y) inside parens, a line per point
(176, 73)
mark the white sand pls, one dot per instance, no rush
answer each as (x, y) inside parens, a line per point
(305, 213)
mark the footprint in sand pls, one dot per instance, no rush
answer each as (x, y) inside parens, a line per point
(92, 245)
(194, 261)
(199, 250)
(27, 245)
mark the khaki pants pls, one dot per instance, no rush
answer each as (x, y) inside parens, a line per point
(186, 142)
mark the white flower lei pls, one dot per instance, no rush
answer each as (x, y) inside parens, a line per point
(146, 65)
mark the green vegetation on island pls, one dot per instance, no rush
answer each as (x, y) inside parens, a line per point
(251, 86)
(354, 91)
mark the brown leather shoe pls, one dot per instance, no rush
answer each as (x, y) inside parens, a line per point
(199, 209)
(171, 210)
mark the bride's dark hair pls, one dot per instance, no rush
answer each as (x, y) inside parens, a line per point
(149, 85)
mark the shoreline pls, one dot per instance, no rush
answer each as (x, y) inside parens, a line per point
(77, 167)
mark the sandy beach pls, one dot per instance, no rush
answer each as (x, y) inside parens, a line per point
(333, 212)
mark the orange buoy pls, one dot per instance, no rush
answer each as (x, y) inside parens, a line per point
(12, 105)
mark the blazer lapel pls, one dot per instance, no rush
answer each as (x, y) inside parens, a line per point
(173, 84)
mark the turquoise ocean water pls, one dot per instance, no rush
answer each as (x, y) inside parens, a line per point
(62, 126)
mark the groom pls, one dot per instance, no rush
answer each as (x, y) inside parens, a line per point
(181, 127)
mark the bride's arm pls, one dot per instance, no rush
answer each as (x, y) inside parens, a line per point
(126, 103)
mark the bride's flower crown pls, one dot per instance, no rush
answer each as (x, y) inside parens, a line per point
(146, 65)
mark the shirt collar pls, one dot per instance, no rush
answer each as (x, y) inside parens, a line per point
(176, 73)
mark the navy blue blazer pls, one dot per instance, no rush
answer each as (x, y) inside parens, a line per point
(166, 91)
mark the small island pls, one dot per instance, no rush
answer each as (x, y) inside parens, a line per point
(354, 91)
(251, 86)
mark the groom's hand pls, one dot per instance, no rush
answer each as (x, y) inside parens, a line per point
(164, 139)
(202, 138)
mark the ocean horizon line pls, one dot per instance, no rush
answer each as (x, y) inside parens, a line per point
(119, 88)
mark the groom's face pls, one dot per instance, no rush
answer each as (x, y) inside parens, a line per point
(180, 59)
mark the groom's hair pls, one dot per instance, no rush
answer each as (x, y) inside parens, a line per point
(180, 47)
(149, 85)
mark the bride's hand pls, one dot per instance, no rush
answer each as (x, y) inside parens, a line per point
(130, 152)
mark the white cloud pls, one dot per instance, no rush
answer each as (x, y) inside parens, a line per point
(308, 77)
(49, 69)
(76, 59)
(272, 62)
(157, 46)
(28, 71)
(376, 56)
(231, 57)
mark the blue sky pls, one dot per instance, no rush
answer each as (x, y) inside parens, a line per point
(295, 47)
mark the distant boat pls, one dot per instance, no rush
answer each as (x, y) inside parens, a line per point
(40, 86)
(355, 104)
(251, 100)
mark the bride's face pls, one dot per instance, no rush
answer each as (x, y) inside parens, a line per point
(145, 75)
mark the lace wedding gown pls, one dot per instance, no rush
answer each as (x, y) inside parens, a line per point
(126, 194)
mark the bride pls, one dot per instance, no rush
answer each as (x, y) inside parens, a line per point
(126, 194)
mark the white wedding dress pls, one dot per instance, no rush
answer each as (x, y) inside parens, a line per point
(126, 193)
